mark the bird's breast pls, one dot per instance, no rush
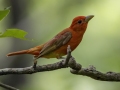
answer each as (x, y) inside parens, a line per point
(61, 51)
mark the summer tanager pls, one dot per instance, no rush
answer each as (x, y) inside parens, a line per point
(57, 46)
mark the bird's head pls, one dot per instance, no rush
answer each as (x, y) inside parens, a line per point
(79, 23)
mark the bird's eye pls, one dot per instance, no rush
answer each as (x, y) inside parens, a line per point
(80, 21)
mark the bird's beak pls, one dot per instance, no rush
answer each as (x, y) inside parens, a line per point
(89, 17)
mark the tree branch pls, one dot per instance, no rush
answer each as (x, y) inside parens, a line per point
(93, 73)
(7, 87)
(76, 68)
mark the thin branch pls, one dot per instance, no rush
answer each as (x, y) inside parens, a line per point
(31, 70)
(68, 55)
(76, 68)
(93, 73)
(7, 87)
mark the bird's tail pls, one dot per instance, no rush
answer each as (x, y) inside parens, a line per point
(17, 53)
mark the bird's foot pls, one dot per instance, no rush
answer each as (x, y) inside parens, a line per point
(35, 63)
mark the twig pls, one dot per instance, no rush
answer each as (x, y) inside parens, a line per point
(68, 55)
(7, 87)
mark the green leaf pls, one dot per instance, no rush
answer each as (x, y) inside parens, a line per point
(16, 33)
(4, 13)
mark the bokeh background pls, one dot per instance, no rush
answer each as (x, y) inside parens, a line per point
(42, 19)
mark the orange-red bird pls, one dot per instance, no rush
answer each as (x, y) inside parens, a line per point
(57, 46)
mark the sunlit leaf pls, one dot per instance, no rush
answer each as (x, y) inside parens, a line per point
(16, 33)
(4, 13)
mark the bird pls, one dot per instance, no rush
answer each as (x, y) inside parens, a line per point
(57, 46)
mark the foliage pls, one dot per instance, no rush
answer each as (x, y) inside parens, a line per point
(16, 33)
(4, 13)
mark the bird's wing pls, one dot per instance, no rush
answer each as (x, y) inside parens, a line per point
(55, 43)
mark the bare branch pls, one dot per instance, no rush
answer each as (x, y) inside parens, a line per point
(7, 87)
(93, 73)
(30, 70)
(76, 68)
(68, 55)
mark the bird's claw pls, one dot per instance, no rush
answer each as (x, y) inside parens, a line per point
(34, 66)
(35, 63)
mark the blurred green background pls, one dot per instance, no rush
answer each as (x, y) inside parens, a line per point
(42, 19)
